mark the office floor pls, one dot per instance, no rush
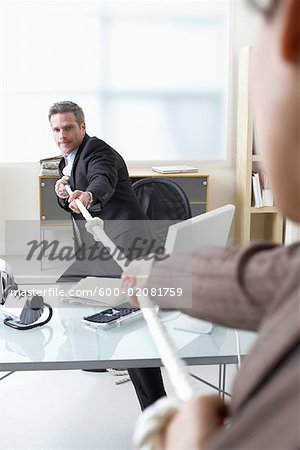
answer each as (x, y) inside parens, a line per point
(69, 410)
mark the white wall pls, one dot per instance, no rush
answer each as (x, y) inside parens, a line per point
(19, 182)
(19, 188)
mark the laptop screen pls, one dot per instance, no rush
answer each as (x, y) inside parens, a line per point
(208, 229)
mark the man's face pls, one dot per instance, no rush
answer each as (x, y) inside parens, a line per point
(67, 133)
(276, 88)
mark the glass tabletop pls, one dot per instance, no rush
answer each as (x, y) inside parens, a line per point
(67, 343)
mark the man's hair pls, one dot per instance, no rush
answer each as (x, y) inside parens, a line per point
(66, 106)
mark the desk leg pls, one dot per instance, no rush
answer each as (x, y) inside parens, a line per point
(222, 379)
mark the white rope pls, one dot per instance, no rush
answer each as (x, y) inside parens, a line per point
(81, 207)
(155, 418)
(175, 366)
(151, 424)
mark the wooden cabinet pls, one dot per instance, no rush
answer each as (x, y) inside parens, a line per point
(251, 223)
(195, 186)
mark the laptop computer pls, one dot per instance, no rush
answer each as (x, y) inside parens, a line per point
(175, 169)
(208, 229)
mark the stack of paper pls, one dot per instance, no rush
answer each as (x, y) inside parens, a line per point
(49, 166)
(96, 291)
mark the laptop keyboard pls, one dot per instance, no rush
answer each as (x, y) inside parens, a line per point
(112, 314)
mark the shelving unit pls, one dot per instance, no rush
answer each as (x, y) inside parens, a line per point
(251, 223)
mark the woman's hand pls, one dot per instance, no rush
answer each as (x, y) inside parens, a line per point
(136, 276)
(194, 424)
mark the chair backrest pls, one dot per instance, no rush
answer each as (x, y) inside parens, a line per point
(164, 202)
(162, 199)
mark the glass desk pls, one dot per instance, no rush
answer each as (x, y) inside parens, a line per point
(66, 343)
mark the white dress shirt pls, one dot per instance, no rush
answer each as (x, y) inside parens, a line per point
(69, 160)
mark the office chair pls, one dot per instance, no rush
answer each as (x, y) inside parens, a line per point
(164, 202)
(162, 198)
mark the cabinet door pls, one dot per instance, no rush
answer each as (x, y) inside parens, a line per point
(194, 187)
(198, 208)
(49, 207)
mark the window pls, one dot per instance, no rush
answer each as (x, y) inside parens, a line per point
(151, 76)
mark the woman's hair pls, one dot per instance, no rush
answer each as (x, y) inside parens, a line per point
(267, 8)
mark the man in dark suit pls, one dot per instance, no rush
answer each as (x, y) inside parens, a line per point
(99, 178)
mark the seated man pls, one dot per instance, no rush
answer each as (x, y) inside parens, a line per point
(99, 178)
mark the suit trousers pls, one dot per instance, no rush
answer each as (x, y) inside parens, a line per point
(148, 384)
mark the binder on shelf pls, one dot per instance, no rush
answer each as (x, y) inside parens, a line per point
(258, 203)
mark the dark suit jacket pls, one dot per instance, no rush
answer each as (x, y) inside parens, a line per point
(98, 168)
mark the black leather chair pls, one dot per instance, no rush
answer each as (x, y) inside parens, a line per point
(164, 202)
(162, 198)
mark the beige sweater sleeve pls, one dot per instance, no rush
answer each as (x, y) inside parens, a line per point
(230, 286)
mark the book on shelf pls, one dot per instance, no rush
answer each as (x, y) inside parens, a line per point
(262, 194)
(257, 192)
